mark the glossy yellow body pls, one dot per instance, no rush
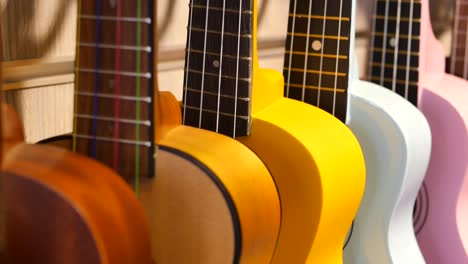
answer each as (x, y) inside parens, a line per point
(318, 167)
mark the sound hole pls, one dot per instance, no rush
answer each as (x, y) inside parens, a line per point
(421, 209)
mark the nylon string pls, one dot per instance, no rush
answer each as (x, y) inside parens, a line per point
(96, 79)
(306, 60)
(396, 48)
(220, 68)
(337, 62)
(237, 68)
(291, 47)
(324, 26)
(117, 86)
(189, 46)
(77, 79)
(408, 57)
(138, 92)
(204, 64)
(384, 45)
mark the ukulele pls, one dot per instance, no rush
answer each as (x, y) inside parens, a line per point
(394, 135)
(114, 94)
(442, 205)
(458, 65)
(225, 91)
(60, 207)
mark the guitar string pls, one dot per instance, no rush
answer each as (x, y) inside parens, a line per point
(337, 60)
(237, 69)
(96, 79)
(465, 61)
(77, 79)
(408, 51)
(220, 67)
(202, 94)
(304, 76)
(372, 44)
(138, 92)
(396, 43)
(291, 46)
(384, 45)
(117, 85)
(319, 85)
(455, 37)
(189, 47)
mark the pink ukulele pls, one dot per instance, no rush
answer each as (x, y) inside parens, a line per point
(441, 210)
(443, 226)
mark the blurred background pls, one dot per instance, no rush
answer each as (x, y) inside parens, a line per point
(39, 50)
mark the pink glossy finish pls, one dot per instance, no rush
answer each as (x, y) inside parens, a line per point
(443, 237)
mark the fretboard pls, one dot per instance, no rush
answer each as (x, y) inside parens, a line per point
(218, 69)
(316, 64)
(394, 53)
(114, 85)
(459, 58)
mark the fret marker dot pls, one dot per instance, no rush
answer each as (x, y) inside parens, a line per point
(316, 45)
(216, 63)
(392, 42)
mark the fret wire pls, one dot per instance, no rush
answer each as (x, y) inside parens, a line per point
(396, 18)
(247, 99)
(146, 75)
(402, 1)
(216, 54)
(214, 112)
(112, 46)
(219, 9)
(145, 20)
(339, 74)
(291, 46)
(320, 17)
(107, 139)
(400, 67)
(314, 54)
(217, 75)
(317, 36)
(411, 53)
(390, 80)
(219, 33)
(112, 119)
(112, 96)
(313, 87)
(304, 77)
(381, 34)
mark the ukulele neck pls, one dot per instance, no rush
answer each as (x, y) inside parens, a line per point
(115, 85)
(459, 58)
(317, 57)
(394, 54)
(219, 66)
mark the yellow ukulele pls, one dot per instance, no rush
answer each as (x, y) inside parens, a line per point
(315, 160)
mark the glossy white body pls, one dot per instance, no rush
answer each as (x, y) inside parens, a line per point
(396, 140)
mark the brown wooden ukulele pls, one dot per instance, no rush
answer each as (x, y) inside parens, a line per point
(60, 207)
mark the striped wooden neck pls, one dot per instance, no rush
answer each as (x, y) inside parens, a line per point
(459, 58)
(394, 54)
(316, 65)
(115, 85)
(218, 69)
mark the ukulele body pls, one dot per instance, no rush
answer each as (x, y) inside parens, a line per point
(317, 165)
(64, 208)
(212, 200)
(396, 141)
(443, 233)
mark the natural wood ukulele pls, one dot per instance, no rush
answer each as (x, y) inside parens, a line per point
(225, 91)
(393, 134)
(458, 65)
(59, 207)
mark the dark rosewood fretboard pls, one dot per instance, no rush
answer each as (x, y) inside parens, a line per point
(218, 69)
(459, 58)
(115, 82)
(316, 64)
(394, 58)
